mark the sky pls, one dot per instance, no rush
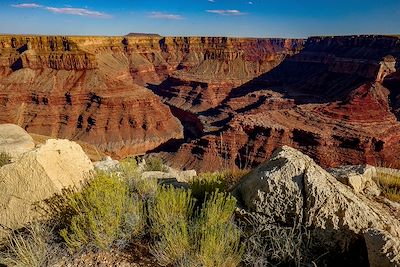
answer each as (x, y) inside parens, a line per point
(240, 18)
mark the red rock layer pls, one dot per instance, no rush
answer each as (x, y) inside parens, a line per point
(88, 88)
(81, 89)
(336, 100)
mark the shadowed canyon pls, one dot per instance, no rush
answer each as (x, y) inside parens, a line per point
(209, 102)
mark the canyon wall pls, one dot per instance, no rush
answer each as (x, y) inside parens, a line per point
(93, 88)
(337, 100)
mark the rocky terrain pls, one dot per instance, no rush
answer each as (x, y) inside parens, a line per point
(336, 100)
(208, 102)
(292, 211)
(91, 89)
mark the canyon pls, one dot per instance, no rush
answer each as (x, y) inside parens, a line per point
(208, 103)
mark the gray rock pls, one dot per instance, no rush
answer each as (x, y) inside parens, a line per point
(14, 140)
(107, 164)
(291, 188)
(358, 177)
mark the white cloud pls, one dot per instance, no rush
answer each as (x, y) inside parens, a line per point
(211, 1)
(250, 3)
(162, 15)
(77, 11)
(27, 5)
(66, 10)
(226, 12)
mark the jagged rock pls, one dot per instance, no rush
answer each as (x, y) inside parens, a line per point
(291, 188)
(14, 140)
(358, 177)
(38, 175)
(107, 164)
(383, 248)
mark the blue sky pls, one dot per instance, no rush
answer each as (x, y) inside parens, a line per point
(247, 18)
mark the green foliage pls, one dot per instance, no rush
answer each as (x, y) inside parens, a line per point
(218, 239)
(26, 249)
(101, 211)
(155, 164)
(5, 159)
(143, 186)
(207, 183)
(186, 237)
(170, 206)
(128, 167)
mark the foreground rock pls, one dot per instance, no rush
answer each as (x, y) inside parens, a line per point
(383, 248)
(358, 177)
(14, 140)
(38, 175)
(291, 188)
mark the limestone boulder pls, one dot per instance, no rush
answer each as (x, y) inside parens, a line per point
(358, 177)
(291, 188)
(107, 164)
(14, 140)
(38, 175)
(383, 248)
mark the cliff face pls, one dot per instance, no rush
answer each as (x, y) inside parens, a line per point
(228, 101)
(336, 100)
(81, 89)
(91, 88)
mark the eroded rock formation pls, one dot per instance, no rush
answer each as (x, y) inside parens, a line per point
(336, 100)
(91, 88)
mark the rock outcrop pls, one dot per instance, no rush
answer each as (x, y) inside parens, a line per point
(90, 88)
(14, 140)
(383, 248)
(38, 175)
(292, 189)
(336, 100)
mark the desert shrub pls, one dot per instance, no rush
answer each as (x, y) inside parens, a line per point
(169, 214)
(131, 174)
(170, 206)
(28, 248)
(233, 176)
(129, 167)
(217, 237)
(207, 183)
(186, 237)
(155, 164)
(102, 212)
(5, 159)
(389, 184)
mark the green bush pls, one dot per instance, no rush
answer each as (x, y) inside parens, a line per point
(207, 183)
(100, 213)
(128, 167)
(5, 159)
(218, 238)
(155, 164)
(186, 237)
(130, 172)
(28, 248)
(170, 206)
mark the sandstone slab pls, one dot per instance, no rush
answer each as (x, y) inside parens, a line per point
(38, 175)
(14, 140)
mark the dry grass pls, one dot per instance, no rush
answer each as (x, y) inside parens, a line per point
(27, 249)
(389, 184)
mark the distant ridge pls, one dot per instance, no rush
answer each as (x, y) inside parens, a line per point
(143, 34)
